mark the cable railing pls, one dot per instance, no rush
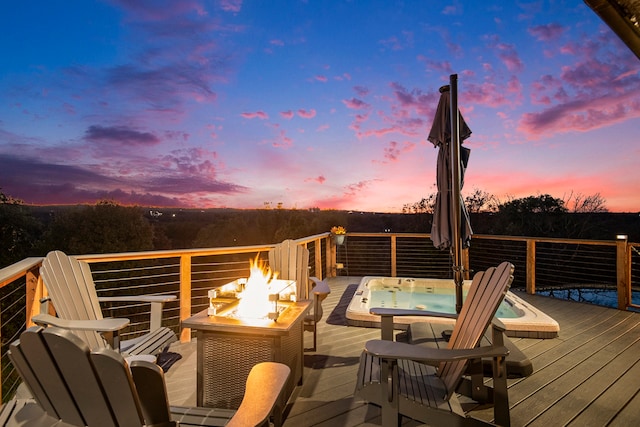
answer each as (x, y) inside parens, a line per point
(552, 266)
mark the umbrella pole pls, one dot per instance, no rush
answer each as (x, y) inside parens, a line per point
(456, 216)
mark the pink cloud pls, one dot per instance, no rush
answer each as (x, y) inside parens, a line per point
(422, 103)
(283, 140)
(258, 114)
(355, 104)
(548, 32)
(231, 5)
(120, 135)
(589, 94)
(580, 115)
(322, 128)
(287, 114)
(509, 57)
(353, 189)
(276, 42)
(393, 150)
(487, 94)
(322, 79)
(361, 90)
(398, 43)
(438, 66)
(320, 179)
(452, 10)
(307, 114)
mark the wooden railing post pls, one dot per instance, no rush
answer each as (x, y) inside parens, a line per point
(531, 266)
(318, 258)
(394, 255)
(331, 254)
(185, 295)
(34, 293)
(623, 273)
(465, 264)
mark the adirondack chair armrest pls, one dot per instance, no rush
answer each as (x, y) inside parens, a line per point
(320, 287)
(262, 395)
(387, 315)
(156, 301)
(139, 298)
(497, 325)
(101, 325)
(108, 328)
(396, 350)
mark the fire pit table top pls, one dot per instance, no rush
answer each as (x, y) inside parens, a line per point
(286, 321)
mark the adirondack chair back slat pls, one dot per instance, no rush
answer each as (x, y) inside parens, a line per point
(119, 389)
(480, 306)
(70, 354)
(291, 260)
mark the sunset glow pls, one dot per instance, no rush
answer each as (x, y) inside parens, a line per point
(327, 104)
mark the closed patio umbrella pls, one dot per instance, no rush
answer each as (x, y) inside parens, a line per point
(451, 228)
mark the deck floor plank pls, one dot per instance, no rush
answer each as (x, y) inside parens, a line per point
(580, 379)
(588, 375)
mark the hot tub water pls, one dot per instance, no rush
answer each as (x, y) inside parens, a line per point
(438, 295)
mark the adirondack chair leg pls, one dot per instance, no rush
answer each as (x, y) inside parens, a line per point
(386, 327)
(391, 391)
(156, 315)
(479, 392)
(500, 395)
(112, 338)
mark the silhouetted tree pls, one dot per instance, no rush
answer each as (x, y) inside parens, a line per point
(586, 204)
(103, 228)
(538, 216)
(20, 231)
(481, 201)
(425, 205)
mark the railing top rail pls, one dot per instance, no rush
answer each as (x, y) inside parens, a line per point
(17, 270)
(308, 239)
(363, 234)
(172, 253)
(546, 239)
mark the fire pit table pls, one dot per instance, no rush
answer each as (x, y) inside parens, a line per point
(228, 347)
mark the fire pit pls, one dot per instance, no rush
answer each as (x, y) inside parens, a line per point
(238, 300)
(239, 330)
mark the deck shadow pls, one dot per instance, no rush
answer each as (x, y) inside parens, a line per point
(323, 361)
(339, 314)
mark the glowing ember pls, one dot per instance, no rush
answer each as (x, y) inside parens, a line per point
(254, 299)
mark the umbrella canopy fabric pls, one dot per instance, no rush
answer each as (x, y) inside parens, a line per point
(440, 136)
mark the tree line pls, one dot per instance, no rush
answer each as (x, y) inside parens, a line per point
(107, 226)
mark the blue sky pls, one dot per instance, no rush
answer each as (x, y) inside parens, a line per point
(310, 103)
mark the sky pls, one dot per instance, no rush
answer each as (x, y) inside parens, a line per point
(311, 103)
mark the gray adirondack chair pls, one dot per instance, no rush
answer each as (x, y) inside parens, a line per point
(291, 261)
(74, 386)
(74, 297)
(421, 383)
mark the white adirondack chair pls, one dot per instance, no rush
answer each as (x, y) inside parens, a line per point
(77, 305)
(291, 261)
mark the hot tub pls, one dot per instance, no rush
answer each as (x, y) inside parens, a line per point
(520, 318)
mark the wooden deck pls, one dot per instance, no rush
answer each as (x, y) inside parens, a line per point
(589, 375)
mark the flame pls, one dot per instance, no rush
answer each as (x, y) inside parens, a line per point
(254, 299)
